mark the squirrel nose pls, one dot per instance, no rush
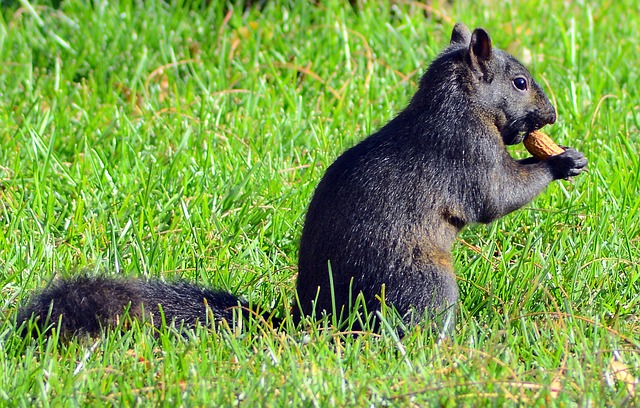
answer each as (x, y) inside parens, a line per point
(552, 116)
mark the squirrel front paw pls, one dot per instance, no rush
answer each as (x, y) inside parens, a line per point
(569, 163)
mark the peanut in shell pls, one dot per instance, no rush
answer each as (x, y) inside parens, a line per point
(541, 146)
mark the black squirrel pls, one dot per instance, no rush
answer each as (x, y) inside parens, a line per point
(385, 215)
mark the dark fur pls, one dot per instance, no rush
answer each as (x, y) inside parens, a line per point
(88, 304)
(387, 211)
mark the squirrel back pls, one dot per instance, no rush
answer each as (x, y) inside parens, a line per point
(384, 217)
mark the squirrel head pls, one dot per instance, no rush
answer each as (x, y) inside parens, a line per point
(493, 84)
(502, 87)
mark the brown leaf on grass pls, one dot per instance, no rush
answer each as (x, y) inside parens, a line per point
(252, 29)
(164, 88)
(141, 360)
(246, 31)
(556, 387)
(618, 371)
(127, 94)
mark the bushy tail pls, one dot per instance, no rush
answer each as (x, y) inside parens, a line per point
(89, 304)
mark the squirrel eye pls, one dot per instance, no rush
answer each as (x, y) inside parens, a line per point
(520, 83)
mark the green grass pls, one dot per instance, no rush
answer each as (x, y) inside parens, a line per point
(185, 141)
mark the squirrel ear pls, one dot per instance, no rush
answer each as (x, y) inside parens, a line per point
(480, 46)
(460, 35)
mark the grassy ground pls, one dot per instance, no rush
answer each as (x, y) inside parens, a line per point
(167, 141)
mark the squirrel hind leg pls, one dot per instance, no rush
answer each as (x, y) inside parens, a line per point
(440, 322)
(432, 299)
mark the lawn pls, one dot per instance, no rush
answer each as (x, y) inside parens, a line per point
(184, 141)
